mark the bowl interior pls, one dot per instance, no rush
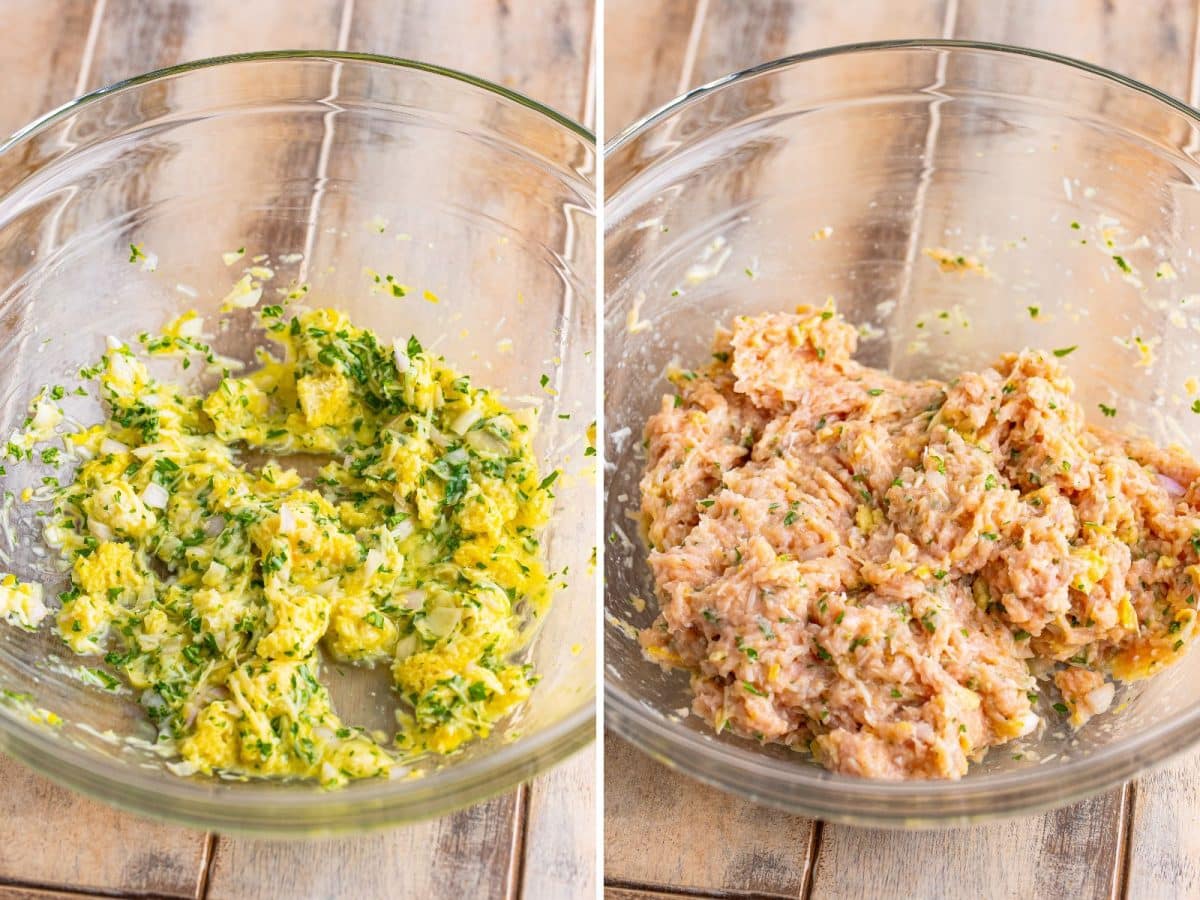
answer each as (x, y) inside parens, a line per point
(339, 168)
(837, 176)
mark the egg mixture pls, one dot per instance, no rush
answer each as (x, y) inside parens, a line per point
(209, 583)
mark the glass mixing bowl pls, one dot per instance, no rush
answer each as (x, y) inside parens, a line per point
(335, 164)
(831, 174)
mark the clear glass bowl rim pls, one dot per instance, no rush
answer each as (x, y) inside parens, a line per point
(42, 121)
(261, 809)
(803, 788)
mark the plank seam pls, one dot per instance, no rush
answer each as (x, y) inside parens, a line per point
(588, 115)
(88, 57)
(1193, 74)
(810, 862)
(69, 890)
(688, 67)
(1193, 96)
(679, 891)
(310, 235)
(516, 863)
(208, 856)
(950, 20)
(949, 26)
(1124, 852)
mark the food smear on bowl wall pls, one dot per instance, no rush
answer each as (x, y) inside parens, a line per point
(891, 573)
(211, 578)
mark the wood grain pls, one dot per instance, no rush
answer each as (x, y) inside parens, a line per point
(1149, 41)
(540, 49)
(656, 50)
(1037, 856)
(53, 35)
(463, 855)
(614, 893)
(560, 831)
(1165, 857)
(57, 839)
(738, 35)
(136, 37)
(9, 892)
(642, 70)
(663, 829)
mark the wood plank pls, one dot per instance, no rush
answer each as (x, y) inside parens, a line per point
(619, 893)
(560, 831)
(47, 55)
(645, 45)
(662, 830)
(738, 35)
(1031, 857)
(657, 50)
(539, 49)
(456, 856)
(1148, 41)
(57, 839)
(9, 892)
(136, 37)
(1165, 861)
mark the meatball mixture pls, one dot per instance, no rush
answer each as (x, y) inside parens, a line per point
(867, 567)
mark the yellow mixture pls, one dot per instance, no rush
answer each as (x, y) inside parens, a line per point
(208, 582)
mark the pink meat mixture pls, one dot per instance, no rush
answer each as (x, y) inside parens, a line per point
(873, 568)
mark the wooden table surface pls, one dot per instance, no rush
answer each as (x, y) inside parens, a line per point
(536, 842)
(1140, 841)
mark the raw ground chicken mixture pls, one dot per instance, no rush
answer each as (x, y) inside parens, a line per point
(887, 572)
